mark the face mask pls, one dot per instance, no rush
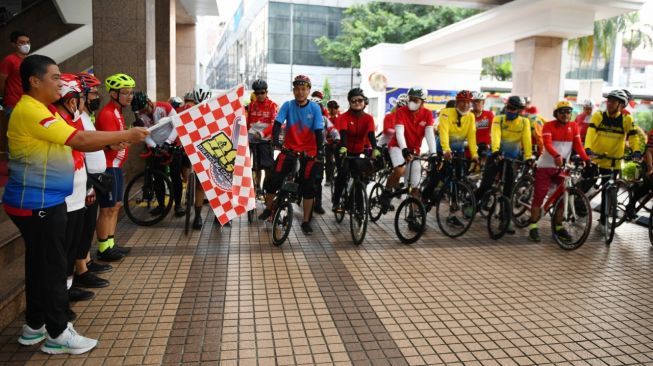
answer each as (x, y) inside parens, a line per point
(24, 48)
(94, 105)
(511, 115)
(413, 106)
(76, 115)
(461, 112)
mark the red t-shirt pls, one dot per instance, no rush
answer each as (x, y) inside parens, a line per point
(389, 124)
(357, 128)
(414, 125)
(110, 119)
(10, 66)
(483, 127)
(262, 113)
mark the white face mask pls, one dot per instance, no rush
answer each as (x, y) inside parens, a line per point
(413, 106)
(76, 115)
(24, 48)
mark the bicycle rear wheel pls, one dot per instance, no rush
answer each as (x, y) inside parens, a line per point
(148, 198)
(455, 211)
(340, 214)
(522, 195)
(485, 204)
(358, 213)
(498, 218)
(610, 214)
(374, 202)
(410, 220)
(281, 223)
(576, 215)
(624, 195)
(190, 201)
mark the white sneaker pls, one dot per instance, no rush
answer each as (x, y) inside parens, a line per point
(32, 336)
(68, 342)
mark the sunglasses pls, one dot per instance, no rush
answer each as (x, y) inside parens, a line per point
(565, 111)
(357, 100)
(261, 92)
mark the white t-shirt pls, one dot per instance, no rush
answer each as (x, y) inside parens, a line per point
(96, 162)
(77, 200)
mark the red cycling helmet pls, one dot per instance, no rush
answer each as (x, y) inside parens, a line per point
(464, 95)
(318, 94)
(301, 80)
(88, 80)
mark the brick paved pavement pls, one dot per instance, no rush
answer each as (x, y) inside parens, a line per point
(227, 296)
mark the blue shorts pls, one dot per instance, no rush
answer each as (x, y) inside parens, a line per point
(110, 198)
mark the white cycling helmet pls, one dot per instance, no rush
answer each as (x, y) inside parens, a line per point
(402, 100)
(478, 95)
(588, 103)
(201, 93)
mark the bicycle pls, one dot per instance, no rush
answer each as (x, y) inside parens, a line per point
(380, 177)
(354, 198)
(411, 211)
(454, 199)
(567, 205)
(288, 194)
(609, 191)
(148, 196)
(253, 146)
(499, 213)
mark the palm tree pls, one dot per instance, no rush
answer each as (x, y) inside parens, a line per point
(603, 39)
(635, 36)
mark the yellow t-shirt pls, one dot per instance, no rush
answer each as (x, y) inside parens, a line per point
(512, 136)
(607, 135)
(40, 164)
(453, 132)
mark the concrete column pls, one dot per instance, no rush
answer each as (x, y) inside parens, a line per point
(185, 58)
(123, 41)
(165, 49)
(537, 71)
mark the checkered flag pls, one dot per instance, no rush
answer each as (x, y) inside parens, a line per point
(214, 136)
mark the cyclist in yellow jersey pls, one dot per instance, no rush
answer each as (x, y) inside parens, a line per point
(606, 135)
(457, 125)
(511, 133)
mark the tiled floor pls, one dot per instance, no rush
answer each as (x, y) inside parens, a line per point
(227, 296)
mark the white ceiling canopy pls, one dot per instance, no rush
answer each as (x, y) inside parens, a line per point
(198, 8)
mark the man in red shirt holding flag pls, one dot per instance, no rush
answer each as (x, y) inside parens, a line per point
(260, 119)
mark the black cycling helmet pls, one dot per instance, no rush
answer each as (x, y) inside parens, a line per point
(140, 101)
(516, 102)
(628, 94)
(259, 85)
(355, 92)
(332, 104)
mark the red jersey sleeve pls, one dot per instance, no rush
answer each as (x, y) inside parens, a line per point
(547, 138)
(578, 142)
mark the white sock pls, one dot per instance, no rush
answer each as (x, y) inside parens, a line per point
(69, 282)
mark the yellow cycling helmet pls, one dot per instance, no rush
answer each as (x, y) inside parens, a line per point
(562, 104)
(119, 81)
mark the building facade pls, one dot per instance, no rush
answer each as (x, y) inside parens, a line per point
(274, 41)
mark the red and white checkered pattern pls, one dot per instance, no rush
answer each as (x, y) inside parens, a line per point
(204, 121)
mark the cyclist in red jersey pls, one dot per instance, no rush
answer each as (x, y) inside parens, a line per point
(483, 124)
(560, 138)
(356, 130)
(583, 119)
(332, 140)
(110, 118)
(412, 124)
(260, 119)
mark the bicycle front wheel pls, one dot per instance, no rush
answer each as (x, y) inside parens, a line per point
(190, 201)
(374, 203)
(281, 223)
(148, 198)
(358, 213)
(624, 195)
(575, 213)
(455, 210)
(522, 195)
(498, 217)
(410, 220)
(610, 214)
